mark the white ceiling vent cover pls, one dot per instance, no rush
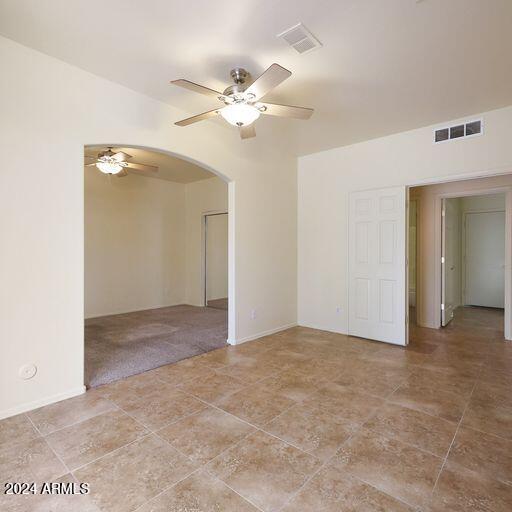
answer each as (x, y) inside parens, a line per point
(300, 38)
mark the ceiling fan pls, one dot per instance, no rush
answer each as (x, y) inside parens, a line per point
(242, 105)
(110, 162)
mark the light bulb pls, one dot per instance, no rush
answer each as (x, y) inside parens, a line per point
(240, 114)
(109, 167)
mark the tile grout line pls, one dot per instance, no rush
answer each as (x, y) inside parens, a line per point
(453, 439)
(51, 449)
(150, 431)
(322, 466)
(329, 460)
(155, 432)
(82, 421)
(255, 426)
(237, 493)
(459, 425)
(111, 452)
(166, 489)
(415, 507)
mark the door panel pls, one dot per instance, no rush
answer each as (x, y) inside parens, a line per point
(377, 265)
(485, 259)
(451, 271)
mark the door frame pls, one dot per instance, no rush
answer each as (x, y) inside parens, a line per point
(508, 247)
(204, 235)
(463, 245)
(419, 300)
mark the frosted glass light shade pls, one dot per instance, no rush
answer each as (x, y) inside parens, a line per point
(240, 114)
(109, 167)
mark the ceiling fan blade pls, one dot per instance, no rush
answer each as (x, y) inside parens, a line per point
(90, 165)
(274, 109)
(270, 78)
(141, 167)
(199, 117)
(246, 132)
(191, 86)
(121, 174)
(121, 156)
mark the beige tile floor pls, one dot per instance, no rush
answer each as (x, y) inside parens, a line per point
(303, 420)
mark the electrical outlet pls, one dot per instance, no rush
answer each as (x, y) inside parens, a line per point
(27, 371)
(338, 310)
(253, 314)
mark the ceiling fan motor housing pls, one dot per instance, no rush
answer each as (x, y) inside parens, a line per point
(240, 76)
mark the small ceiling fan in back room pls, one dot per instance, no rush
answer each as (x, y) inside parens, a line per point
(242, 105)
(117, 163)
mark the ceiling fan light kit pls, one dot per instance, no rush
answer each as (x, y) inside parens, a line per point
(240, 114)
(116, 163)
(242, 105)
(109, 166)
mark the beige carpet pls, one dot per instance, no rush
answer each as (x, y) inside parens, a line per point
(118, 346)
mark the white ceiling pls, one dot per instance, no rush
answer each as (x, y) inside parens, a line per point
(386, 65)
(169, 168)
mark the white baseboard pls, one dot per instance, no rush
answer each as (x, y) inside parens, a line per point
(40, 403)
(261, 334)
(322, 328)
(89, 316)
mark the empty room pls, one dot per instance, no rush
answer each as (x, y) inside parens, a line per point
(156, 262)
(256, 256)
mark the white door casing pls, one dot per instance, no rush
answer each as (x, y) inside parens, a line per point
(485, 259)
(377, 265)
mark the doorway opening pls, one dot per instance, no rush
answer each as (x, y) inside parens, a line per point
(473, 254)
(144, 263)
(216, 260)
(459, 256)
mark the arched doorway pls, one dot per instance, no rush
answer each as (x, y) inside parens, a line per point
(144, 262)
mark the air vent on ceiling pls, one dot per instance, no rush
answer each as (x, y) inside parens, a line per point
(300, 38)
(459, 131)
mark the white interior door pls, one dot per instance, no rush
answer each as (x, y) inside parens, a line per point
(450, 260)
(377, 265)
(485, 259)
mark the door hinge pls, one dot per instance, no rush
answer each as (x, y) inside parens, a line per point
(442, 259)
(442, 307)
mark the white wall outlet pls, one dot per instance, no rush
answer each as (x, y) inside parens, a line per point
(27, 371)
(253, 314)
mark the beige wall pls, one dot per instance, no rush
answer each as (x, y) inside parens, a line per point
(327, 178)
(50, 110)
(489, 202)
(134, 243)
(206, 196)
(143, 244)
